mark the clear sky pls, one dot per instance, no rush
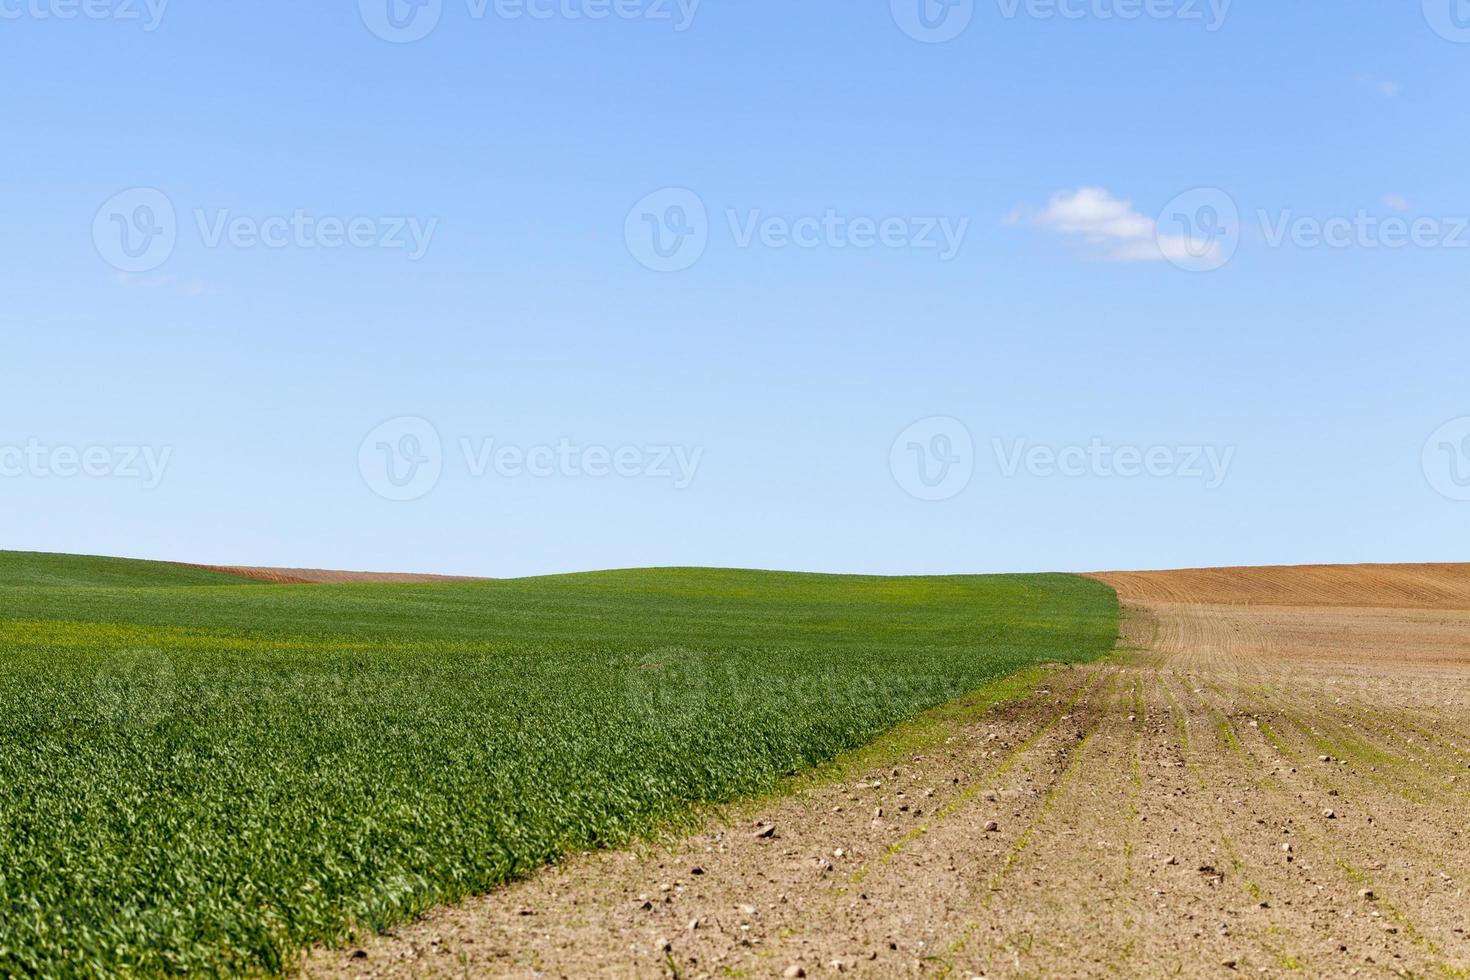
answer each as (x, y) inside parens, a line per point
(846, 285)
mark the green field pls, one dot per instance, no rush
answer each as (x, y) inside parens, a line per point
(203, 774)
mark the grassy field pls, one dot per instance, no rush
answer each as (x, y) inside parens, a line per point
(204, 774)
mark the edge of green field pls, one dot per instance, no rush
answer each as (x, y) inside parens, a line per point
(44, 569)
(211, 774)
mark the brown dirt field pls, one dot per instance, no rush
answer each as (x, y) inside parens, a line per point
(1440, 586)
(1163, 812)
(319, 576)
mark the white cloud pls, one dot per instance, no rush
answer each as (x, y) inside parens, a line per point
(1397, 202)
(1096, 214)
(1112, 225)
(1386, 87)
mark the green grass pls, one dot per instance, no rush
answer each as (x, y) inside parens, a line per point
(19, 568)
(205, 775)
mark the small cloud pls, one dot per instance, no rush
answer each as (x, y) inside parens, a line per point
(1112, 225)
(1397, 203)
(1095, 214)
(1386, 87)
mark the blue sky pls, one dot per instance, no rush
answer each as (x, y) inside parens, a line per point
(827, 381)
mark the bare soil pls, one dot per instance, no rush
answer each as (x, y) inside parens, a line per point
(1440, 586)
(1271, 778)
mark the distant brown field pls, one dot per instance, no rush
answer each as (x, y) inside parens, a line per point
(1441, 586)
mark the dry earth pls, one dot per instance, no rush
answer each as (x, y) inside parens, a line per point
(1271, 778)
